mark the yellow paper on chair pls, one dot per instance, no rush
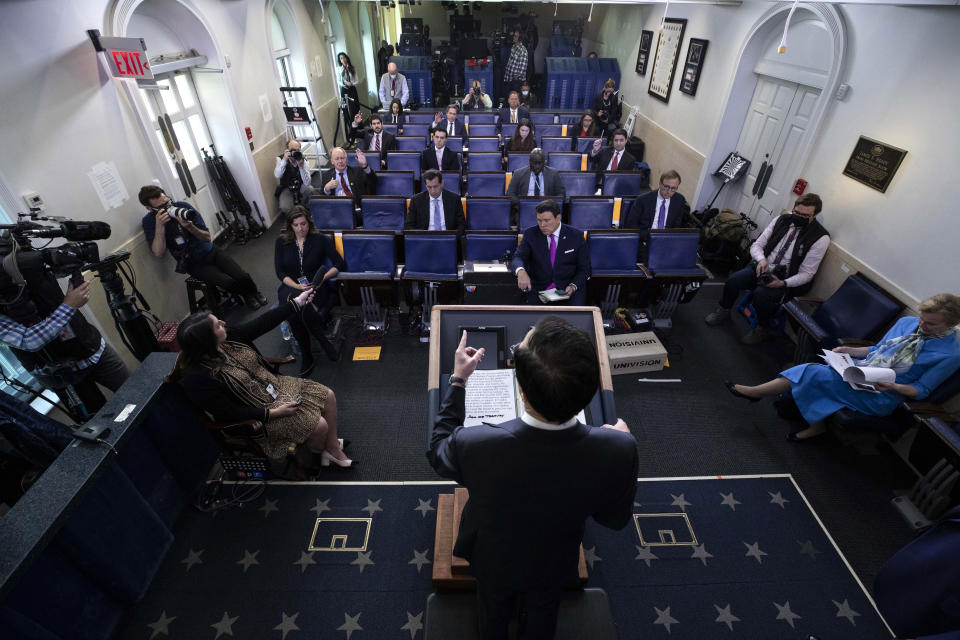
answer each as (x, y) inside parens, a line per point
(366, 353)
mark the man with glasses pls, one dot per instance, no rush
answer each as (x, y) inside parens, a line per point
(786, 257)
(660, 209)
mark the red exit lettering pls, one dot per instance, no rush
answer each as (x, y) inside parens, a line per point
(129, 63)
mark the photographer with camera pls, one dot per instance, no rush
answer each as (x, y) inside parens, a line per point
(184, 233)
(294, 177)
(786, 257)
(74, 352)
(476, 98)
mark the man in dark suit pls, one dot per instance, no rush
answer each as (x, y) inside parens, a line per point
(374, 137)
(616, 158)
(660, 209)
(435, 209)
(451, 124)
(341, 180)
(513, 112)
(535, 480)
(552, 256)
(437, 156)
(536, 180)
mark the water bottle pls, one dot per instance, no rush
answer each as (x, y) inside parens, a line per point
(285, 331)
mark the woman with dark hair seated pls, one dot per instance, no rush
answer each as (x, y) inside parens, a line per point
(223, 373)
(396, 115)
(301, 258)
(922, 351)
(586, 128)
(524, 138)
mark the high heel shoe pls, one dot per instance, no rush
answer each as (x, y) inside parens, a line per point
(730, 387)
(326, 459)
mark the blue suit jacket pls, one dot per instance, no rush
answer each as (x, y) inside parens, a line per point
(505, 116)
(531, 491)
(572, 264)
(460, 130)
(643, 212)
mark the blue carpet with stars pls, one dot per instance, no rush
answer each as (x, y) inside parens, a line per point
(727, 557)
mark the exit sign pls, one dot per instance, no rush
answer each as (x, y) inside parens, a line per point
(127, 57)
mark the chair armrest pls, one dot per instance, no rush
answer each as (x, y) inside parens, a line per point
(248, 429)
(809, 299)
(855, 342)
(930, 410)
(278, 361)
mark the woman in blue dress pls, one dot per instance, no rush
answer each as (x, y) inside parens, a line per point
(922, 351)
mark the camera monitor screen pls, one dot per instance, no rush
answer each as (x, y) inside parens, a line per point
(490, 338)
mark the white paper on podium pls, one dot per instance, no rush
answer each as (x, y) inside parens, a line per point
(491, 397)
(480, 267)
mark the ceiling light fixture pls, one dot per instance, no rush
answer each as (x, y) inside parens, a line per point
(783, 41)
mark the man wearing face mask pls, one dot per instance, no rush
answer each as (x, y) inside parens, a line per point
(393, 84)
(786, 257)
(527, 99)
(536, 180)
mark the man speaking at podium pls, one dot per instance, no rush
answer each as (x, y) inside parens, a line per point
(535, 480)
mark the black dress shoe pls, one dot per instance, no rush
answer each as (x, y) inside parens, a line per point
(792, 436)
(729, 385)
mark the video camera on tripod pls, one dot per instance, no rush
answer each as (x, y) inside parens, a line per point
(68, 259)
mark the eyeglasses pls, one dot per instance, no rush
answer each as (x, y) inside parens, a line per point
(668, 188)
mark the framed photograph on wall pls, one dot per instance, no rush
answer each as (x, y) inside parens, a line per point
(643, 56)
(665, 61)
(696, 52)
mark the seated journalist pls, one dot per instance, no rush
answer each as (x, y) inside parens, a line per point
(303, 259)
(188, 241)
(922, 351)
(660, 209)
(786, 257)
(552, 256)
(615, 158)
(223, 374)
(435, 209)
(535, 480)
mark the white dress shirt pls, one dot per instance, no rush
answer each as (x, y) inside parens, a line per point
(811, 262)
(373, 141)
(438, 203)
(533, 181)
(547, 426)
(346, 178)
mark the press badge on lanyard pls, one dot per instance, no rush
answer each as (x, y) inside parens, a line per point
(272, 391)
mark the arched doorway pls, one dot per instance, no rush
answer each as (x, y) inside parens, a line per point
(367, 41)
(776, 104)
(169, 26)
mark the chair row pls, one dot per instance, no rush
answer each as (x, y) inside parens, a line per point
(388, 213)
(495, 183)
(475, 160)
(491, 117)
(491, 142)
(436, 255)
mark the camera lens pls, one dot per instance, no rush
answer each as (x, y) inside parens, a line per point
(180, 212)
(297, 155)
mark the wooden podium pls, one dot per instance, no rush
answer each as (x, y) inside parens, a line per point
(450, 571)
(453, 572)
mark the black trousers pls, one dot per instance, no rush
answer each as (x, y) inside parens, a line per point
(309, 321)
(538, 619)
(219, 269)
(765, 300)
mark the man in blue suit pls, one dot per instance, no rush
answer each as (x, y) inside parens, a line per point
(535, 480)
(552, 256)
(660, 209)
(513, 112)
(451, 124)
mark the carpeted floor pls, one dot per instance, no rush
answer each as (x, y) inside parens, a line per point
(687, 428)
(746, 554)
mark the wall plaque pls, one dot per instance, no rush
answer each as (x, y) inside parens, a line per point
(643, 55)
(665, 60)
(873, 163)
(696, 52)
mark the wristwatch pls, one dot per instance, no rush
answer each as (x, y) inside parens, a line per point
(457, 380)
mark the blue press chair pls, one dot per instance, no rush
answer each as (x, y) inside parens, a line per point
(430, 255)
(486, 183)
(484, 144)
(565, 161)
(673, 252)
(548, 144)
(395, 183)
(383, 213)
(487, 117)
(549, 131)
(371, 265)
(419, 118)
(583, 145)
(506, 130)
(579, 183)
(569, 118)
(541, 118)
(621, 184)
(591, 213)
(483, 130)
(331, 212)
(517, 161)
(486, 161)
(614, 253)
(391, 129)
(411, 143)
(404, 161)
(488, 214)
(416, 130)
(455, 144)
(490, 245)
(373, 159)
(527, 212)
(452, 181)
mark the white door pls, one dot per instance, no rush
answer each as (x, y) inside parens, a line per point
(774, 131)
(179, 102)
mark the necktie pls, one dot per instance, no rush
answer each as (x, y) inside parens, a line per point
(378, 142)
(393, 87)
(662, 215)
(394, 118)
(449, 129)
(536, 186)
(613, 165)
(513, 116)
(553, 257)
(437, 222)
(345, 186)
(783, 249)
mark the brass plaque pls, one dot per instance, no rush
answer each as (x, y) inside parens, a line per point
(873, 163)
(665, 530)
(340, 534)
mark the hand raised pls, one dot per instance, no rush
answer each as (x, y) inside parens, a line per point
(466, 359)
